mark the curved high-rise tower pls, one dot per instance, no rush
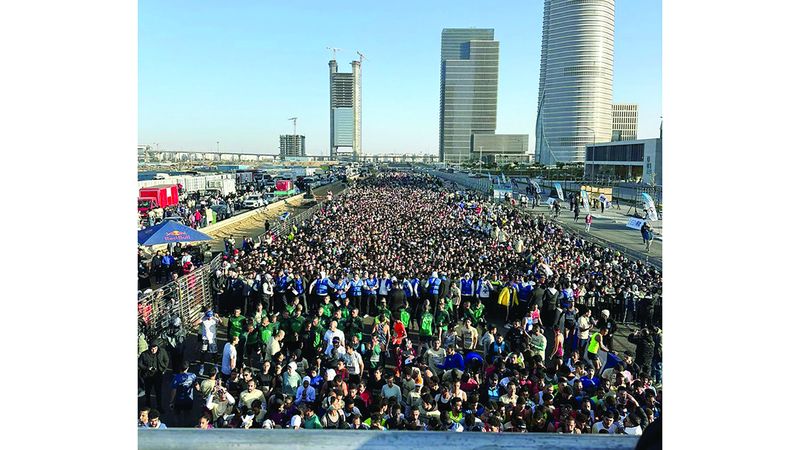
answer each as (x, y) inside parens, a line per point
(575, 79)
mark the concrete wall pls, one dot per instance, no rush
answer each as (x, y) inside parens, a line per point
(215, 439)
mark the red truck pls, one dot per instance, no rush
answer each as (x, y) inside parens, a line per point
(157, 197)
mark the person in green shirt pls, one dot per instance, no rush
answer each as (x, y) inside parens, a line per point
(319, 331)
(426, 328)
(354, 326)
(264, 334)
(405, 317)
(248, 341)
(235, 323)
(326, 307)
(383, 310)
(442, 319)
(297, 323)
(477, 312)
(345, 309)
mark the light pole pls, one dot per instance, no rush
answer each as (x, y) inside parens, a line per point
(217, 146)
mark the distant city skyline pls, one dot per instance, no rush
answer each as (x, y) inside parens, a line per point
(234, 73)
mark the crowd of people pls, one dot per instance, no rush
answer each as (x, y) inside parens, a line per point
(404, 304)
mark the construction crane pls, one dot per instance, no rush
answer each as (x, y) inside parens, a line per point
(334, 50)
(361, 57)
(294, 119)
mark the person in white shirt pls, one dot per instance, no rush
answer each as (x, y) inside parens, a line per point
(584, 324)
(229, 358)
(330, 334)
(220, 402)
(607, 424)
(336, 351)
(306, 392)
(208, 335)
(353, 361)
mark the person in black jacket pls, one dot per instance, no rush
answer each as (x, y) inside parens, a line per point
(397, 300)
(645, 349)
(152, 365)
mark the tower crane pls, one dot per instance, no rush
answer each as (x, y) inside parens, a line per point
(294, 119)
(361, 57)
(334, 50)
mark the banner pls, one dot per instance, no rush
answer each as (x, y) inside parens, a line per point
(560, 192)
(649, 206)
(585, 199)
(635, 223)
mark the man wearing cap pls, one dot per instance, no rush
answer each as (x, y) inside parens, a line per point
(152, 365)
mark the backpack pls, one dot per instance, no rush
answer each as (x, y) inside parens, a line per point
(426, 327)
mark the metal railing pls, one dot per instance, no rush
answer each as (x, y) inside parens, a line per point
(187, 297)
(300, 219)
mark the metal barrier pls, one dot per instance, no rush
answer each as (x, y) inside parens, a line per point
(299, 220)
(187, 297)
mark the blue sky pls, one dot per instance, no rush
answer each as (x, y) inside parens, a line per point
(234, 71)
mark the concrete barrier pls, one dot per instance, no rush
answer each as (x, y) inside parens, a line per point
(215, 439)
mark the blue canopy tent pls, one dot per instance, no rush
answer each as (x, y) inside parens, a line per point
(170, 232)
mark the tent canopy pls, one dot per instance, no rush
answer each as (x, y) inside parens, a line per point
(170, 232)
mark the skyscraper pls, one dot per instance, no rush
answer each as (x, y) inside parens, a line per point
(292, 145)
(624, 121)
(575, 79)
(468, 93)
(345, 110)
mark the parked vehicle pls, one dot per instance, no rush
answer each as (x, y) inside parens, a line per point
(253, 201)
(157, 197)
(221, 211)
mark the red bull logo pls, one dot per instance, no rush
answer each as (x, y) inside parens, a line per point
(176, 236)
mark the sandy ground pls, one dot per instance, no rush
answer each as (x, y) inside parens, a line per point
(254, 226)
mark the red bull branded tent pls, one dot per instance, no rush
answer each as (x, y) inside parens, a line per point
(170, 232)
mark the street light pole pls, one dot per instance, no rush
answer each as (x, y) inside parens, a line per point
(217, 146)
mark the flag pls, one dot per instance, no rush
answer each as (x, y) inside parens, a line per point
(585, 198)
(649, 206)
(559, 191)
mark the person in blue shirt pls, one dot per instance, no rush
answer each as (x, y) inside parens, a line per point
(319, 288)
(355, 291)
(408, 290)
(433, 288)
(298, 285)
(167, 265)
(467, 287)
(182, 401)
(384, 286)
(281, 285)
(340, 288)
(154, 420)
(453, 366)
(371, 286)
